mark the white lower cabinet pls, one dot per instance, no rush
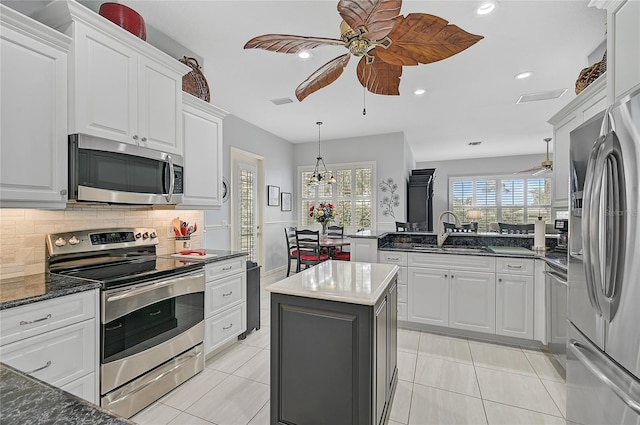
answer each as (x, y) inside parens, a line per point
(59, 344)
(514, 305)
(84, 387)
(428, 296)
(400, 260)
(225, 302)
(472, 301)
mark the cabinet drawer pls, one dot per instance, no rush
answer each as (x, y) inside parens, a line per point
(402, 293)
(224, 268)
(33, 319)
(224, 327)
(514, 265)
(223, 293)
(451, 261)
(84, 388)
(57, 357)
(392, 257)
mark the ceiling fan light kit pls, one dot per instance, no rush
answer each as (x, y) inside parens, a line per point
(384, 40)
(320, 174)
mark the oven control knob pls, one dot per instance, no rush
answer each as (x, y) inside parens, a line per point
(138, 235)
(145, 235)
(153, 235)
(74, 240)
(60, 242)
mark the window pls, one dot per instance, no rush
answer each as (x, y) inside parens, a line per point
(501, 199)
(352, 195)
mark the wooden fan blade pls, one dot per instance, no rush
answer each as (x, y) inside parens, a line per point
(377, 17)
(422, 38)
(283, 43)
(325, 75)
(379, 77)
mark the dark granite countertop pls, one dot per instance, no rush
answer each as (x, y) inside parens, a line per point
(18, 291)
(27, 400)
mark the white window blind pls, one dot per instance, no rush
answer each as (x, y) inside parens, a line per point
(352, 195)
(505, 199)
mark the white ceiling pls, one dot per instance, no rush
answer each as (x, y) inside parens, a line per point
(470, 96)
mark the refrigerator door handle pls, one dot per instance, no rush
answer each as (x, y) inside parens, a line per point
(623, 385)
(617, 227)
(589, 228)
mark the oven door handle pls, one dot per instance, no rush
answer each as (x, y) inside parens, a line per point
(150, 287)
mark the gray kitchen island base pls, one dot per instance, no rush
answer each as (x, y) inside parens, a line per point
(333, 362)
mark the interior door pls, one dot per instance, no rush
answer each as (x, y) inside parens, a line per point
(248, 229)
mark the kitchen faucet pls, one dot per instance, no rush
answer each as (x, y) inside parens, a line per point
(442, 236)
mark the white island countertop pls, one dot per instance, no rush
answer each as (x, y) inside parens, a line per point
(343, 281)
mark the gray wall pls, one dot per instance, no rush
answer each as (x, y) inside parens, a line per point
(388, 151)
(278, 171)
(473, 167)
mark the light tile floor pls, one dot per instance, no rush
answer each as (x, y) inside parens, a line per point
(442, 380)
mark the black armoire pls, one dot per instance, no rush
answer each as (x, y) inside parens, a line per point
(420, 196)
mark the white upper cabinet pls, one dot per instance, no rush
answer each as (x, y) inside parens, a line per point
(202, 123)
(33, 113)
(587, 104)
(122, 88)
(623, 45)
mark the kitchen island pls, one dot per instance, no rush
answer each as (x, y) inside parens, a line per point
(333, 344)
(26, 399)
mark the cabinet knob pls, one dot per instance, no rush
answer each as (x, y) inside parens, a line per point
(135, 137)
(63, 192)
(445, 275)
(144, 139)
(452, 276)
(500, 280)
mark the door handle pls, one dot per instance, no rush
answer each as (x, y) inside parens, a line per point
(172, 179)
(612, 377)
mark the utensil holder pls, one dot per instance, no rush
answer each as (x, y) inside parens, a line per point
(183, 242)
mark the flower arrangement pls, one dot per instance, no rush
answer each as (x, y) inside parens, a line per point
(323, 213)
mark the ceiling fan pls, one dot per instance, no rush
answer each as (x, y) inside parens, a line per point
(386, 41)
(545, 167)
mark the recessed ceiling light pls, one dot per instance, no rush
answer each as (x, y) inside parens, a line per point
(305, 54)
(474, 143)
(486, 7)
(418, 92)
(523, 75)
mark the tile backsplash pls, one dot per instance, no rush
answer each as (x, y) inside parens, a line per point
(22, 231)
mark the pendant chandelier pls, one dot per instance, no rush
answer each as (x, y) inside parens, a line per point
(320, 175)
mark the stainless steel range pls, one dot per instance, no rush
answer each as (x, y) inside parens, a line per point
(152, 311)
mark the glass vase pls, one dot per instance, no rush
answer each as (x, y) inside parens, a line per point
(323, 233)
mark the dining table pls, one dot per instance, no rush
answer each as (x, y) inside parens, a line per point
(330, 244)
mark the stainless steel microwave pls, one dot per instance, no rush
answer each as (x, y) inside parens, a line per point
(103, 170)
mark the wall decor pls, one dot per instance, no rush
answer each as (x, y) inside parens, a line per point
(391, 200)
(285, 201)
(226, 192)
(273, 196)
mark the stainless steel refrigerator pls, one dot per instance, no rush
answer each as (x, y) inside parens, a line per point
(603, 347)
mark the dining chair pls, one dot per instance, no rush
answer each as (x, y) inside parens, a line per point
(338, 253)
(402, 227)
(515, 228)
(309, 250)
(292, 248)
(419, 226)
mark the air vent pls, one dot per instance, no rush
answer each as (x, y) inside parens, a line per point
(547, 95)
(281, 101)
